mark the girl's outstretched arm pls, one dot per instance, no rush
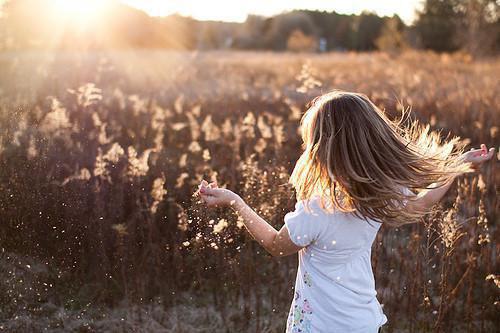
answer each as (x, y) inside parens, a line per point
(277, 243)
(430, 197)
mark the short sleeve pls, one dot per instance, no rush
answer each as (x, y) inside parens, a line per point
(302, 227)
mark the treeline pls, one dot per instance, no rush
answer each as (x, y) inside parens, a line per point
(441, 25)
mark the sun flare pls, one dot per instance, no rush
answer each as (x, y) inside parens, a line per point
(79, 11)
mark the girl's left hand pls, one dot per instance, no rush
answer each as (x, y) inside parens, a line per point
(212, 195)
(478, 156)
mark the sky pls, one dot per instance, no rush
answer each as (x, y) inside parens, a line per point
(237, 11)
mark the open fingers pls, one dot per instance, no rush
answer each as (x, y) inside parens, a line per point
(483, 152)
(480, 156)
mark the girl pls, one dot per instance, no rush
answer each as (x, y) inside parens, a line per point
(358, 170)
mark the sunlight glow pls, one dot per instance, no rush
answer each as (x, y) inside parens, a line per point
(79, 11)
(237, 11)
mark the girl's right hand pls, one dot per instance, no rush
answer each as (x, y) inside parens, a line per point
(212, 195)
(478, 156)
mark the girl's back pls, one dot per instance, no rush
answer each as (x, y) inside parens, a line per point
(335, 287)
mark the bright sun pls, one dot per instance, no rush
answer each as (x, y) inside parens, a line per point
(80, 11)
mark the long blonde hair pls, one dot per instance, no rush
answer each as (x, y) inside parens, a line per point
(365, 163)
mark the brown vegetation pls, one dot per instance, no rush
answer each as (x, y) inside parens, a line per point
(100, 154)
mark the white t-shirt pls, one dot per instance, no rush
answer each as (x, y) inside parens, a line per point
(335, 287)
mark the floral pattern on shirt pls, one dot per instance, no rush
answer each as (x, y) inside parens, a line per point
(299, 320)
(307, 279)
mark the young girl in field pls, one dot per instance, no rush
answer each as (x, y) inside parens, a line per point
(358, 170)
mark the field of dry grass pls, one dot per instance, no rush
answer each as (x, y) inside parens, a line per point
(100, 155)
